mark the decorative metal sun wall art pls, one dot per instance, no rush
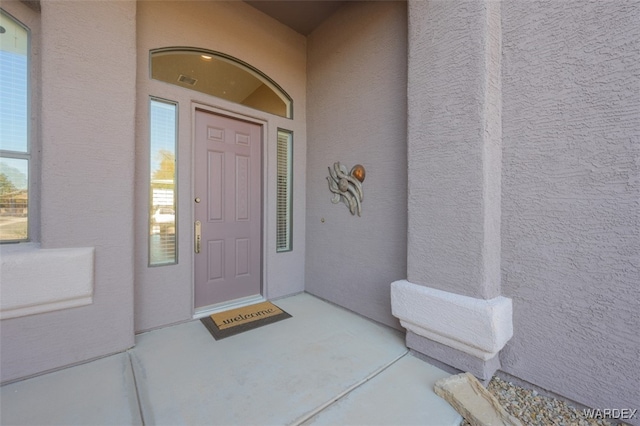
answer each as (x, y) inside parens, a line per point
(347, 186)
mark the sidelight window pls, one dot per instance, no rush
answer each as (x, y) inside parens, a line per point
(284, 191)
(162, 188)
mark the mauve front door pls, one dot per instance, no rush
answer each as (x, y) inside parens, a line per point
(228, 208)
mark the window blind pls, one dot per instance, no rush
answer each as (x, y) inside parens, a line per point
(284, 191)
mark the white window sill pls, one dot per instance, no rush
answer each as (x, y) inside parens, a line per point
(36, 280)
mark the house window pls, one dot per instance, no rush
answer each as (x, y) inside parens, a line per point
(162, 182)
(14, 130)
(284, 191)
(220, 75)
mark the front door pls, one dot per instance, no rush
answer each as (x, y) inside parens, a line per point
(228, 208)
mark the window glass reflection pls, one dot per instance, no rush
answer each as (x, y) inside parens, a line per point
(162, 212)
(14, 199)
(14, 130)
(221, 76)
(14, 74)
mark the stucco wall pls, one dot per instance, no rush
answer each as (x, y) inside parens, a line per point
(357, 115)
(571, 197)
(164, 295)
(454, 147)
(86, 116)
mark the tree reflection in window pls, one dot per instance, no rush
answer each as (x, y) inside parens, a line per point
(14, 130)
(162, 211)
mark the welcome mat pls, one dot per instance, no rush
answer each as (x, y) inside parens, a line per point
(234, 321)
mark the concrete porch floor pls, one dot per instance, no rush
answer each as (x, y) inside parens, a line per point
(324, 365)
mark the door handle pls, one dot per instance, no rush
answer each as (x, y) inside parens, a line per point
(198, 235)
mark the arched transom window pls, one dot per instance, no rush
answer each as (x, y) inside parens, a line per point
(222, 76)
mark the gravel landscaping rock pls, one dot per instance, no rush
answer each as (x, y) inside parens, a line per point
(534, 409)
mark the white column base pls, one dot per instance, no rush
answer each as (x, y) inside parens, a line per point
(477, 327)
(38, 280)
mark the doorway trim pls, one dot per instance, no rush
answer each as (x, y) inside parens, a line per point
(263, 122)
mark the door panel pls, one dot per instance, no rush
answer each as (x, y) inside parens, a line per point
(215, 167)
(242, 188)
(228, 186)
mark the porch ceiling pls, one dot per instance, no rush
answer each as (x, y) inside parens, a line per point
(302, 15)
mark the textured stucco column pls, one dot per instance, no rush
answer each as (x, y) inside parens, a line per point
(454, 151)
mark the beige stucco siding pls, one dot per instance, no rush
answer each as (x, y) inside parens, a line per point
(568, 204)
(357, 115)
(571, 197)
(87, 123)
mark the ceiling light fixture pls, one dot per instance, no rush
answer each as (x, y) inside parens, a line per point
(206, 57)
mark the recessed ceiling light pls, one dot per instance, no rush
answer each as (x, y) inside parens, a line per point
(206, 57)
